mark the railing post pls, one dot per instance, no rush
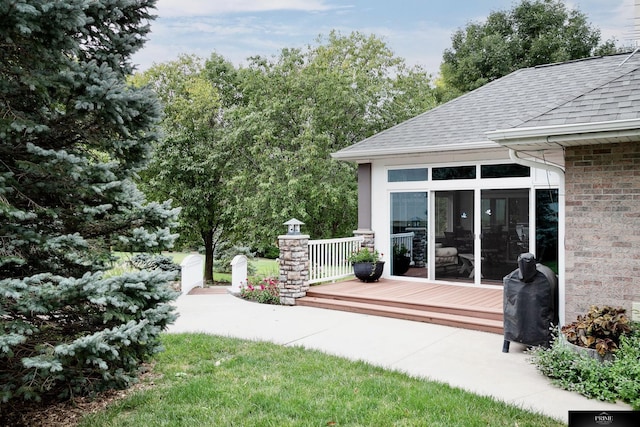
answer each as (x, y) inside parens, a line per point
(294, 267)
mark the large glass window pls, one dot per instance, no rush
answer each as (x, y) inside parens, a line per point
(458, 172)
(454, 235)
(547, 228)
(504, 171)
(408, 233)
(505, 231)
(405, 175)
(478, 230)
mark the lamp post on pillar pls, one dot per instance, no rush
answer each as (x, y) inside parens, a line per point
(293, 226)
(294, 263)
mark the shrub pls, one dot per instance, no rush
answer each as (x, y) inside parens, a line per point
(72, 336)
(617, 379)
(600, 329)
(225, 254)
(364, 255)
(151, 262)
(263, 291)
(270, 252)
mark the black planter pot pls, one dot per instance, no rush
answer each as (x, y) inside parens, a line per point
(400, 265)
(368, 271)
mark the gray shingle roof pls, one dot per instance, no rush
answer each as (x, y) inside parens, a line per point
(582, 91)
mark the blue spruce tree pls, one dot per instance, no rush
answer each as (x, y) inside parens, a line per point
(73, 136)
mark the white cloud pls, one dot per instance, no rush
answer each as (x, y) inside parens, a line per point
(175, 8)
(614, 18)
(204, 26)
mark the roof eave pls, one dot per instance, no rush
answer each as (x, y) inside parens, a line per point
(571, 135)
(367, 155)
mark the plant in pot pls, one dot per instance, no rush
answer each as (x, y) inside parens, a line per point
(598, 332)
(401, 259)
(367, 265)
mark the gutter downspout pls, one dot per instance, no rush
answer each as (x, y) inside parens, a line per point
(561, 226)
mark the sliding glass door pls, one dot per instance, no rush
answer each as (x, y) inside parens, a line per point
(504, 219)
(481, 219)
(408, 250)
(454, 241)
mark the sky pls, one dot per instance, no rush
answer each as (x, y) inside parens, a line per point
(417, 30)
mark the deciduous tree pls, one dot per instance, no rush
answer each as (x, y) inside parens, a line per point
(534, 32)
(299, 108)
(191, 164)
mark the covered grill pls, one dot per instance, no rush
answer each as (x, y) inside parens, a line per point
(530, 303)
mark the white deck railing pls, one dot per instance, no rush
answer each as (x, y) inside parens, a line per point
(405, 239)
(328, 259)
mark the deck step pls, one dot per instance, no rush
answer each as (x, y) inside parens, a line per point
(440, 317)
(402, 303)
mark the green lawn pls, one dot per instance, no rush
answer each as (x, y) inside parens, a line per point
(214, 381)
(264, 267)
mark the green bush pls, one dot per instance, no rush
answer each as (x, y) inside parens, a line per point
(364, 255)
(617, 379)
(71, 336)
(146, 261)
(270, 252)
(225, 254)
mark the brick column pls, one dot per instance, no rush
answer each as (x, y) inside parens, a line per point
(294, 267)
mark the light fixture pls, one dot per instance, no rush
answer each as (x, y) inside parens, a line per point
(293, 226)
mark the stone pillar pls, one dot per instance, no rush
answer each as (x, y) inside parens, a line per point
(369, 238)
(294, 267)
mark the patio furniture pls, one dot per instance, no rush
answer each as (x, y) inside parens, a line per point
(446, 257)
(468, 265)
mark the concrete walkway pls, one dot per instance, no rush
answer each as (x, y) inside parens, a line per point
(467, 359)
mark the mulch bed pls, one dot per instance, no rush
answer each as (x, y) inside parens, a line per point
(70, 412)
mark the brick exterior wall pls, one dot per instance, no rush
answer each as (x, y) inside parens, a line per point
(602, 244)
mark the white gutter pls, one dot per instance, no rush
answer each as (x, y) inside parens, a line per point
(561, 226)
(571, 132)
(413, 150)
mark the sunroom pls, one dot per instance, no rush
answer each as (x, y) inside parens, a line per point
(469, 185)
(464, 221)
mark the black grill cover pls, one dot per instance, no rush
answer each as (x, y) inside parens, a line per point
(530, 303)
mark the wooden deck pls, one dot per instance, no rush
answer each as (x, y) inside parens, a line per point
(476, 308)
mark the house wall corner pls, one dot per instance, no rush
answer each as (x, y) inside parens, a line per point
(602, 243)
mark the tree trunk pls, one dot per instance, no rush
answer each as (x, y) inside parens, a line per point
(207, 237)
